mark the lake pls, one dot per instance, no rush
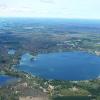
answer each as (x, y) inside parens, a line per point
(62, 66)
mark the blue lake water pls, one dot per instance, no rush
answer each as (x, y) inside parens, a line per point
(4, 79)
(62, 66)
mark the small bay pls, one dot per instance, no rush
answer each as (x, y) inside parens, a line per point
(5, 79)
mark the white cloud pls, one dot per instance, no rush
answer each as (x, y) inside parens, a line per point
(50, 8)
(47, 1)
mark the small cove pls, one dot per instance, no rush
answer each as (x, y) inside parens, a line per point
(5, 79)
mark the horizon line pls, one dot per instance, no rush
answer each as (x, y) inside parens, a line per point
(49, 18)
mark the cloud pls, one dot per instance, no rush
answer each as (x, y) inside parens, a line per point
(48, 1)
(3, 6)
(10, 8)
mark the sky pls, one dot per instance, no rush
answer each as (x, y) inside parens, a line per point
(87, 9)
